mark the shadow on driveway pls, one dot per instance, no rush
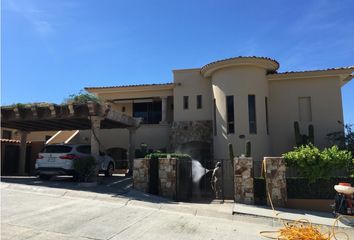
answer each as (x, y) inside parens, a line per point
(118, 185)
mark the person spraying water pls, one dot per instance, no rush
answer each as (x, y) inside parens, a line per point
(216, 180)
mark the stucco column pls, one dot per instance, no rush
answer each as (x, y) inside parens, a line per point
(95, 135)
(163, 109)
(23, 148)
(131, 152)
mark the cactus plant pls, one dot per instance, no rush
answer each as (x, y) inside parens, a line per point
(248, 148)
(311, 137)
(298, 137)
(231, 152)
(303, 139)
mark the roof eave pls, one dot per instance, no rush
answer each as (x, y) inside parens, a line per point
(156, 87)
(340, 73)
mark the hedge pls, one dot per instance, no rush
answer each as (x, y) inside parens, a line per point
(172, 155)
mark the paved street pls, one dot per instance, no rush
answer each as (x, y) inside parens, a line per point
(41, 212)
(60, 209)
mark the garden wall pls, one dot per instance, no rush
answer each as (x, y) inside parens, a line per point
(317, 196)
(166, 176)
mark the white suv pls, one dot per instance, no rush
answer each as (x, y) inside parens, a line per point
(58, 160)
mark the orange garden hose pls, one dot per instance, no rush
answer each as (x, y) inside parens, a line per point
(301, 229)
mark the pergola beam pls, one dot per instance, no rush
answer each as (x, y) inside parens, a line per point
(71, 116)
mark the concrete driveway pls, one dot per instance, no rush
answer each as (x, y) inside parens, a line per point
(47, 210)
(117, 184)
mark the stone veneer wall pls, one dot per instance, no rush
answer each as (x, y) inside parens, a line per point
(276, 181)
(167, 177)
(243, 180)
(189, 131)
(141, 174)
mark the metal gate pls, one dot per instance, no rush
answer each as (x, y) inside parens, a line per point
(154, 175)
(190, 188)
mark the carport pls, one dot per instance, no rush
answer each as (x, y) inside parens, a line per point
(74, 116)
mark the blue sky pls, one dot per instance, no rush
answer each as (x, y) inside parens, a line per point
(53, 48)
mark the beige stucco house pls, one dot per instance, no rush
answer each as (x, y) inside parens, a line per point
(228, 101)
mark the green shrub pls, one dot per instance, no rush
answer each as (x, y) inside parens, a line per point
(312, 163)
(82, 97)
(345, 141)
(172, 155)
(85, 168)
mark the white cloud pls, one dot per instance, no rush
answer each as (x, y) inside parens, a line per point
(38, 19)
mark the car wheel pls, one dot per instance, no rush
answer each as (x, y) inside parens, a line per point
(109, 171)
(44, 177)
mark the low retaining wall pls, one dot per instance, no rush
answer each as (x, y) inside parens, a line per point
(322, 205)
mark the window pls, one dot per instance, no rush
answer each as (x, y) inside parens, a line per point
(230, 115)
(252, 114)
(305, 112)
(56, 149)
(214, 105)
(6, 134)
(149, 111)
(123, 109)
(86, 149)
(266, 114)
(199, 101)
(185, 102)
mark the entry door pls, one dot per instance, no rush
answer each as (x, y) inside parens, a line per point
(11, 160)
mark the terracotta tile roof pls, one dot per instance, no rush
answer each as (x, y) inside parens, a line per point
(4, 140)
(317, 70)
(227, 59)
(136, 85)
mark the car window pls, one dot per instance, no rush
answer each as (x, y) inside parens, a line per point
(84, 149)
(56, 149)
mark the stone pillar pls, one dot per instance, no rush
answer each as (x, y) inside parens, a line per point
(243, 180)
(276, 181)
(95, 136)
(23, 148)
(131, 152)
(141, 174)
(167, 175)
(163, 109)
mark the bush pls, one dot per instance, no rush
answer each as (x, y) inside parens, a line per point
(172, 155)
(345, 141)
(85, 168)
(82, 97)
(312, 163)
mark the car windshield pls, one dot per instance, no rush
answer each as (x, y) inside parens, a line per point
(56, 149)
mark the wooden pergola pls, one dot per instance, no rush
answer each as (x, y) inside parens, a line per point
(73, 116)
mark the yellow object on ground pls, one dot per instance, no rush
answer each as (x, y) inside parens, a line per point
(301, 229)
